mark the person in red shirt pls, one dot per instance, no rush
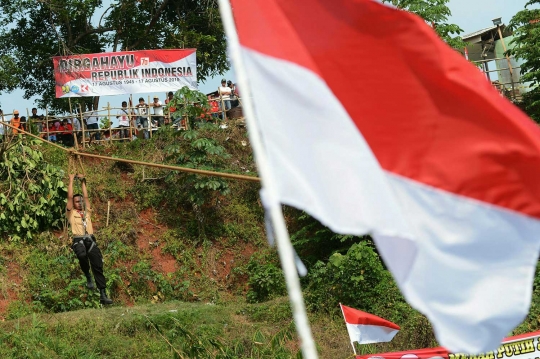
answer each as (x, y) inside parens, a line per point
(214, 107)
(169, 119)
(67, 135)
(56, 131)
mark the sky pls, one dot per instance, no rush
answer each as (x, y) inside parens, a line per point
(470, 15)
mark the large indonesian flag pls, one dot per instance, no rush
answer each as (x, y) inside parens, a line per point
(366, 328)
(373, 125)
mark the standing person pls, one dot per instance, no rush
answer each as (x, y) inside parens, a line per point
(158, 111)
(214, 106)
(22, 124)
(78, 213)
(77, 130)
(58, 130)
(234, 100)
(52, 132)
(142, 118)
(172, 110)
(36, 120)
(15, 122)
(225, 94)
(67, 135)
(123, 123)
(92, 122)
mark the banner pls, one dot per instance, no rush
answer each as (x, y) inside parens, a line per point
(127, 72)
(525, 346)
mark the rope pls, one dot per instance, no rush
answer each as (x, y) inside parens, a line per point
(149, 164)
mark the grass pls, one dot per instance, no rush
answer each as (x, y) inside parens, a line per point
(187, 330)
(173, 330)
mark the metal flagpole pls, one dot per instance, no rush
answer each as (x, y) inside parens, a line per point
(272, 204)
(342, 312)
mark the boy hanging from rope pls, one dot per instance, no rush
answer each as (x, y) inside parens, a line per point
(78, 212)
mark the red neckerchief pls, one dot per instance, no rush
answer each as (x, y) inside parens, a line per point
(81, 213)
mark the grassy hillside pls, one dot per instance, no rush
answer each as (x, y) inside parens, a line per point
(187, 264)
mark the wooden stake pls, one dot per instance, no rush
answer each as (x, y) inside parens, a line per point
(47, 121)
(108, 212)
(110, 122)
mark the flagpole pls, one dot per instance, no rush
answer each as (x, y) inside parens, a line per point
(272, 205)
(345, 319)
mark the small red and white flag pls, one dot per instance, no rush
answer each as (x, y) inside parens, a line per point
(366, 328)
(372, 124)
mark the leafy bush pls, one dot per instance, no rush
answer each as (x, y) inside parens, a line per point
(266, 279)
(190, 104)
(200, 151)
(357, 278)
(32, 193)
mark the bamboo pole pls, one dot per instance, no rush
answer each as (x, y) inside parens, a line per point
(150, 128)
(130, 117)
(81, 126)
(110, 122)
(47, 121)
(149, 164)
(4, 128)
(28, 125)
(83, 131)
(108, 212)
(71, 115)
(174, 168)
(74, 131)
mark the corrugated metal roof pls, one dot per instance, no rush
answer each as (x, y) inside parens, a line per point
(481, 32)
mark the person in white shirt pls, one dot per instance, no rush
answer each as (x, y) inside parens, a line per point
(142, 118)
(76, 128)
(225, 93)
(158, 111)
(92, 122)
(123, 122)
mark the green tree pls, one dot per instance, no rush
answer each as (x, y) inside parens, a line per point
(526, 27)
(435, 13)
(8, 74)
(31, 32)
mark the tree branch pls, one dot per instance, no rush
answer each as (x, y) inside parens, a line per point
(98, 30)
(152, 23)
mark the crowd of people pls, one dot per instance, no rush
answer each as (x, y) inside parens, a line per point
(134, 121)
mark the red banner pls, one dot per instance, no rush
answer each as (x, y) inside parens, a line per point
(523, 346)
(116, 73)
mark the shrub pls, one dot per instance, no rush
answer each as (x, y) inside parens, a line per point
(357, 278)
(266, 279)
(32, 193)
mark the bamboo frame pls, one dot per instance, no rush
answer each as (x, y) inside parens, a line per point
(83, 131)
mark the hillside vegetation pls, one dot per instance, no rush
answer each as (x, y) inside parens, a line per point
(186, 260)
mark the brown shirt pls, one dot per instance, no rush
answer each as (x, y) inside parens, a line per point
(75, 220)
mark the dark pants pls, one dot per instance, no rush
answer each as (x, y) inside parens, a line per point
(124, 132)
(90, 256)
(94, 126)
(67, 139)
